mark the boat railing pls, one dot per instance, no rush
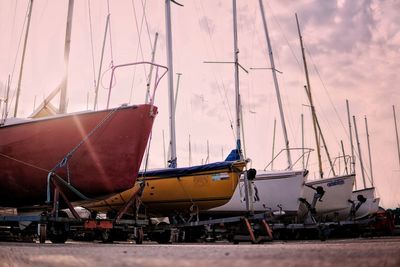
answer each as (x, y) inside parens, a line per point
(305, 154)
(346, 159)
(157, 77)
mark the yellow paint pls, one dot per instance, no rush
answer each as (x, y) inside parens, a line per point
(185, 194)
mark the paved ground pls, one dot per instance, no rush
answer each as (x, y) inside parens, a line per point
(339, 253)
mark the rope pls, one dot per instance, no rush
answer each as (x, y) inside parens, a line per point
(64, 161)
(24, 163)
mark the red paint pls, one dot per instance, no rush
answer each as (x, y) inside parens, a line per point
(108, 162)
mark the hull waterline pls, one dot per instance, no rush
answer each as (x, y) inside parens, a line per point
(106, 162)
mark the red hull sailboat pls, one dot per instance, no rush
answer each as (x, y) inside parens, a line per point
(91, 153)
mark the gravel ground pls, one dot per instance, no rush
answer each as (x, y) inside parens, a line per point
(351, 252)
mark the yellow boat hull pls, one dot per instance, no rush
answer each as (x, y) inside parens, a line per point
(180, 194)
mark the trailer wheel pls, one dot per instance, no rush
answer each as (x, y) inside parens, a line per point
(106, 236)
(139, 236)
(42, 233)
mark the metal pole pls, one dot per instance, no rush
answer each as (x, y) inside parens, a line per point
(278, 94)
(249, 204)
(172, 143)
(7, 98)
(369, 152)
(23, 58)
(308, 89)
(353, 159)
(165, 158)
(96, 92)
(302, 141)
(236, 63)
(177, 90)
(153, 53)
(63, 91)
(397, 133)
(359, 152)
(344, 157)
(273, 146)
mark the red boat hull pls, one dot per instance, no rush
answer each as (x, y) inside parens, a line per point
(106, 162)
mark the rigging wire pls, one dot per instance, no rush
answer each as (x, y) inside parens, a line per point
(223, 95)
(146, 22)
(139, 47)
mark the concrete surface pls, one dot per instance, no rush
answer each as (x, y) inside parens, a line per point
(374, 252)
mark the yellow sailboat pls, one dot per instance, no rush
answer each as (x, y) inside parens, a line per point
(180, 190)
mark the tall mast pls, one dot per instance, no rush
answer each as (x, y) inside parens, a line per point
(237, 93)
(317, 127)
(177, 89)
(278, 94)
(153, 53)
(302, 141)
(172, 144)
(273, 146)
(353, 159)
(359, 152)
(67, 47)
(369, 151)
(96, 96)
(321, 173)
(23, 58)
(397, 133)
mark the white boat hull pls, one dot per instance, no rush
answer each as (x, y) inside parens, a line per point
(369, 207)
(272, 191)
(338, 190)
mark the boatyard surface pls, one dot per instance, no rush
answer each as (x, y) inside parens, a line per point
(350, 252)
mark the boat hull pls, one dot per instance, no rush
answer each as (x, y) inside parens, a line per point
(180, 192)
(369, 207)
(106, 162)
(338, 191)
(272, 191)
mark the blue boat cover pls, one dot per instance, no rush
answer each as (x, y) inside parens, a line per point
(183, 171)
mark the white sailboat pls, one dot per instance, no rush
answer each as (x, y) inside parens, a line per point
(325, 195)
(276, 191)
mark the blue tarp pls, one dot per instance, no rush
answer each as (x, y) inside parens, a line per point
(175, 172)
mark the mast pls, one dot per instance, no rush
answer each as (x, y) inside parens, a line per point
(165, 158)
(177, 89)
(5, 111)
(317, 128)
(321, 173)
(273, 146)
(153, 53)
(63, 90)
(344, 157)
(172, 144)
(237, 93)
(353, 159)
(23, 58)
(397, 133)
(101, 63)
(359, 152)
(302, 141)
(369, 151)
(278, 95)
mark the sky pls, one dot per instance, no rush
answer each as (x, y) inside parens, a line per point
(352, 50)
